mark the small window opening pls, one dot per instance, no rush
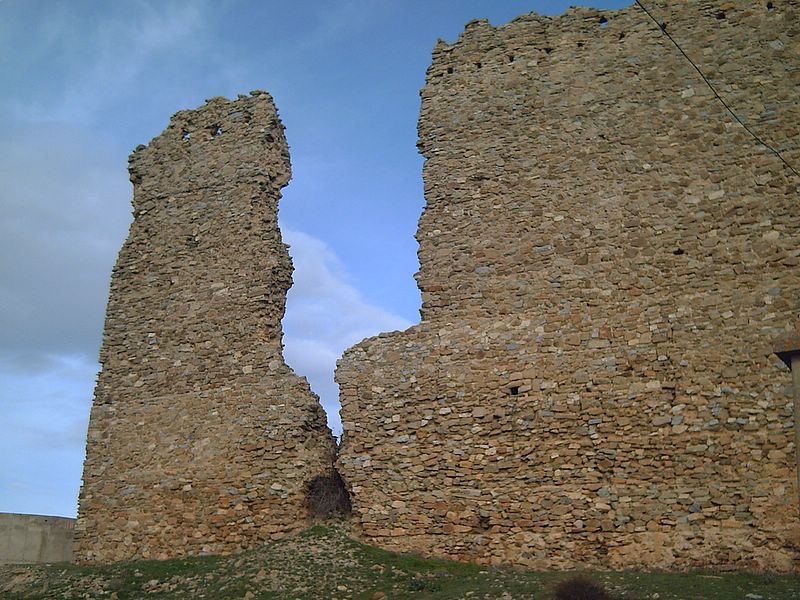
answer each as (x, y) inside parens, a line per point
(510, 58)
(216, 130)
(621, 34)
(603, 22)
(580, 44)
(514, 389)
(186, 135)
(721, 15)
(770, 6)
(479, 65)
(450, 70)
(548, 50)
(679, 251)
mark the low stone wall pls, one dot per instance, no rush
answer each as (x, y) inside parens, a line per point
(28, 539)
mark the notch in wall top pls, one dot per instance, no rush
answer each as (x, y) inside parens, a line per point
(477, 23)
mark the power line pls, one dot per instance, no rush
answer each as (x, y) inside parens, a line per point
(663, 28)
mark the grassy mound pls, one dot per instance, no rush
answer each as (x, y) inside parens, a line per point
(324, 563)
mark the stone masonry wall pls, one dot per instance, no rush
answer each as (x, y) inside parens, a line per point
(605, 260)
(201, 438)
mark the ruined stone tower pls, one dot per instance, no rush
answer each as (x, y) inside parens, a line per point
(201, 438)
(605, 259)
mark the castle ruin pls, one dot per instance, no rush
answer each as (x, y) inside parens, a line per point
(605, 260)
(201, 438)
(606, 257)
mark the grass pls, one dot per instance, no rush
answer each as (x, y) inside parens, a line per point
(322, 562)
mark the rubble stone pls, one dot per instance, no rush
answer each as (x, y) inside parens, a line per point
(201, 438)
(606, 257)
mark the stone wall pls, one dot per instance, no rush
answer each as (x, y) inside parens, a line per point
(201, 438)
(605, 260)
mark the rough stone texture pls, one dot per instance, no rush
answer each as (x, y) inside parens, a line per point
(201, 438)
(787, 345)
(606, 259)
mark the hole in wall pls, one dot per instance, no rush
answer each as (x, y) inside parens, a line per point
(679, 251)
(510, 58)
(216, 130)
(514, 390)
(186, 136)
(449, 70)
(603, 22)
(479, 65)
(327, 497)
(548, 50)
(580, 44)
(770, 6)
(721, 15)
(621, 34)
(663, 26)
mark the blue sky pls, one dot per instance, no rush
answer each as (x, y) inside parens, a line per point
(85, 82)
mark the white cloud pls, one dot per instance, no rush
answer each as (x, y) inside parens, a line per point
(103, 57)
(325, 315)
(65, 203)
(43, 433)
(65, 210)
